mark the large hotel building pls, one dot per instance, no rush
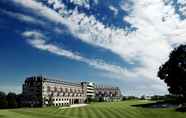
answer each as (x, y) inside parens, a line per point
(40, 91)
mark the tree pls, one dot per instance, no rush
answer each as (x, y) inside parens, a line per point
(3, 101)
(2, 95)
(143, 97)
(173, 72)
(20, 98)
(11, 98)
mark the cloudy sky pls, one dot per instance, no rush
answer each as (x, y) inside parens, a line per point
(113, 42)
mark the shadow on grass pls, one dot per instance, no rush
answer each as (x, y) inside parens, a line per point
(157, 105)
(2, 116)
(181, 109)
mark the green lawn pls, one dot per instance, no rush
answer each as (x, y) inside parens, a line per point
(96, 110)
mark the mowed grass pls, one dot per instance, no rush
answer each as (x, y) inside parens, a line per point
(96, 110)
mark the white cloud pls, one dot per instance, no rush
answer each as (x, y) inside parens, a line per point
(126, 5)
(182, 7)
(39, 41)
(81, 2)
(115, 10)
(158, 29)
(22, 17)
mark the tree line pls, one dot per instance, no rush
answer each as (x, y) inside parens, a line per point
(10, 100)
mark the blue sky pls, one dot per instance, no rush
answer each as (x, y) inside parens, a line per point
(113, 42)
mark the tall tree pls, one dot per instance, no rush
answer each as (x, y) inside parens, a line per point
(173, 72)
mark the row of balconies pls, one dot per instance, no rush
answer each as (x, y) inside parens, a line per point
(55, 89)
(64, 94)
(106, 94)
(110, 89)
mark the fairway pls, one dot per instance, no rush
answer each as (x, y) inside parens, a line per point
(96, 110)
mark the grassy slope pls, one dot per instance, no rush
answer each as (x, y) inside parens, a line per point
(97, 110)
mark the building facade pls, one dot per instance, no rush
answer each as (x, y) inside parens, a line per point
(32, 91)
(40, 91)
(107, 93)
(89, 87)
